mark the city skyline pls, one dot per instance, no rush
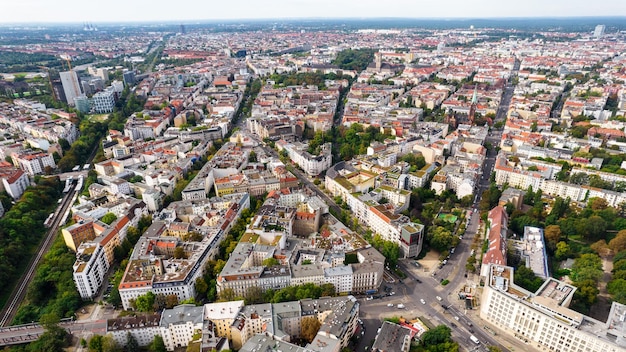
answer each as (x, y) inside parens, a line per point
(60, 11)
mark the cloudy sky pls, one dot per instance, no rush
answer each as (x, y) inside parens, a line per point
(12, 11)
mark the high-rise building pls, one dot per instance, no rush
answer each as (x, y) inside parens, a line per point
(599, 31)
(129, 78)
(71, 86)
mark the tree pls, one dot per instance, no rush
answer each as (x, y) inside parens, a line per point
(145, 303)
(179, 253)
(95, 343)
(171, 300)
(618, 243)
(438, 335)
(587, 267)
(108, 218)
(527, 279)
(552, 234)
(131, 343)
(441, 238)
(601, 248)
(562, 250)
(310, 327)
(201, 287)
(594, 227)
(157, 345)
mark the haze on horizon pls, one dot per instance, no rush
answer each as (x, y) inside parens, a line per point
(60, 11)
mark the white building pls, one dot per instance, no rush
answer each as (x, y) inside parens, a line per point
(544, 320)
(71, 86)
(35, 164)
(313, 165)
(15, 183)
(179, 324)
(89, 269)
(104, 102)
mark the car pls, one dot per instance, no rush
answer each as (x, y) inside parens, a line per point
(418, 280)
(369, 298)
(444, 306)
(422, 300)
(456, 318)
(439, 298)
(452, 250)
(445, 261)
(390, 305)
(400, 306)
(453, 325)
(392, 293)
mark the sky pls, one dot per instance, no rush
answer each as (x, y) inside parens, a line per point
(25, 11)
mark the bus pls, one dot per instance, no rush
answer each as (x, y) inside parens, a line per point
(474, 339)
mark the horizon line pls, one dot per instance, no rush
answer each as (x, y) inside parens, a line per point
(284, 19)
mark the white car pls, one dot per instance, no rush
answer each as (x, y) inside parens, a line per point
(390, 305)
(422, 300)
(369, 298)
(439, 298)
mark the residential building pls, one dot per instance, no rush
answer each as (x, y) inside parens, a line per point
(14, 181)
(179, 325)
(498, 221)
(35, 163)
(143, 327)
(313, 165)
(544, 320)
(90, 269)
(392, 338)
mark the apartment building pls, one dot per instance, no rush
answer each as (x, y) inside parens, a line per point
(14, 181)
(313, 165)
(152, 266)
(179, 325)
(353, 182)
(90, 269)
(543, 319)
(35, 163)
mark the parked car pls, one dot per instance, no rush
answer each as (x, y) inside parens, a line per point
(422, 300)
(390, 305)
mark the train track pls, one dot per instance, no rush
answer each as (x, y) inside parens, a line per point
(19, 292)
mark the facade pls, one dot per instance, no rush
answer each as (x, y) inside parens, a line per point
(179, 324)
(71, 86)
(543, 319)
(104, 102)
(78, 233)
(90, 269)
(14, 182)
(142, 327)
(35, 163)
